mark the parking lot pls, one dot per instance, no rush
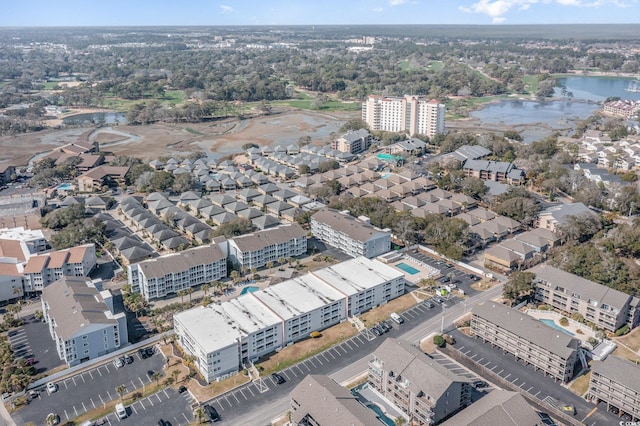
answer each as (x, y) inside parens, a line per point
(167, 404)
(32, 340)
(530, 381)
(90, 389)
(459, 277)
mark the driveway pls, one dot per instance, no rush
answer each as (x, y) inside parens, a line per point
(89, 389)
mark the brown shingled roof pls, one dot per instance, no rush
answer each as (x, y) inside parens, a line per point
(57, 259)
(36, 264)
(11, 248)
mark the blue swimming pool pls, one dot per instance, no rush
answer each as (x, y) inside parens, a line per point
(64, 187)
(408, 269)
(386, 420)
(249, 289)
(551, 323)
(386, 157)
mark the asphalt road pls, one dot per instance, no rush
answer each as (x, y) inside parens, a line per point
(33, 340)
(529, 380)
(88, 390)
(167, 404)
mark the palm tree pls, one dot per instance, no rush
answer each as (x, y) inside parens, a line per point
(181, 293)
(206, 300)
(399, 421)
(189, 291)
(290, 261)
(205, 287)
(235, 276)
(281, 260)
(269, 265)
(156, 376)
(199, 413)
(121, 390)
(175, 373)
(51, 419)
(254, 271)
(244, 270)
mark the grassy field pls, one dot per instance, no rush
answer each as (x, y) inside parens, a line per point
(632, 339)
(436, 65)
(49, 85)
(381, 313)
(530, 83)
(581, 385)
(305, 101)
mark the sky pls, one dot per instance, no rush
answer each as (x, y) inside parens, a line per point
(314, 12)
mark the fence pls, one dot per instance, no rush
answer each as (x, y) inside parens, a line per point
(495, 378)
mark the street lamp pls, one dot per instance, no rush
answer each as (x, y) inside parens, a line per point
(442, 322)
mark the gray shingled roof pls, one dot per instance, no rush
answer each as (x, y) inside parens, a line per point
(528, 328)
(620, 371)
(346, 224)
(498, 408)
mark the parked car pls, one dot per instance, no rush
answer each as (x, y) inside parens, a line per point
(182, 389)
(162, 422)
(142, 353)
(278, 378)
(479, 384)
(376, 331)
(386, 326)
(397, 318)
(51, 388)
(445, 279)
(52, 419)
(212, 413)
(30, 361)
(315, 334)
(569, 409)
(437, 300)
(429, 305)
(118, 362)
(121, 411)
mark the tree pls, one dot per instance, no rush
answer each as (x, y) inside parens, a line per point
(161, 180)
(519, 284)
(235, 276)
(183, 182)
(474, 187)
(199, 414)
(234, 228)
(438, 340)
(181, 294)
(189, 291)
(156, 376)
(353, 124)
(304, 169)
(121, 389)
(281, 260)
(205, 288)
(269, 265)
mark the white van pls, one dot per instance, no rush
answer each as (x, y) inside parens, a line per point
(121, 411)
(397, 318)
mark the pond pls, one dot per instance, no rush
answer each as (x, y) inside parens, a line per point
(597, 88)
(96, 118)
(535, 120)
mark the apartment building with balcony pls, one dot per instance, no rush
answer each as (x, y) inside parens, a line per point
(256, 249)
(353, 142)
(415, 115)
(424, 390)
(81, 319)
(606, 307)
(498, 408)
(41, 270)
(355, 237)
(616, 382)
(227, 336)
(529, 340)
(320, 401)
(164, 275)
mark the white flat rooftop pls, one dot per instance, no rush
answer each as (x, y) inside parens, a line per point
(298, 296)
(209, 328)
(357, 275)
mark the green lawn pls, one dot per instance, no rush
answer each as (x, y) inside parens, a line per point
(49, 85)
(436, 65)
(174, 97)
(304, 101)
(530, 83)
(405, 66)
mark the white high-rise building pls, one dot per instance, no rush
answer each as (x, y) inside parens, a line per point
(415, 115)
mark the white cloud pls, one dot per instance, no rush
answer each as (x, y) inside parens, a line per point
(226, 9)
(397, 2)
(498, 9)
(378, 9)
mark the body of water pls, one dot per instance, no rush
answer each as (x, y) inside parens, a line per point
(408, 269)
(597, 88)
(535, 120)
(249, 290)
(96, 118)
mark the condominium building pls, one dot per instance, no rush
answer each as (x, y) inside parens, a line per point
(355, 237)
(623, 108)
(224, 337)
(320, 401)
(164, 275)
(41, 270)
(607, 308)
(353, 142)
(499, 408)
(547, 349)
(424, 390)
(616, 382)
(255, 250)
(81, 319)
(415, 115)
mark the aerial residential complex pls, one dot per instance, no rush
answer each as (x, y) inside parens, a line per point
(424, 390)
(257, 249)
(81, 319)
(549, 350)
(415, 115)
(44, 269)
(319, 400)
(355, 237)
(605, 307)
(225, 336)
(353, 142)
(168, 274)
(616, 381)
(499, 408)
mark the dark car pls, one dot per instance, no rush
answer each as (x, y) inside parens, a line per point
(474, 277)
(150, 373)
(162, 422)
(445, 279)
(30, 361)
(212, 413)
(182, 389)
(128, 359)
(479, 384)
(150, 351)
(278, 378)
(376, 331)
(142, 353)
(386, 326)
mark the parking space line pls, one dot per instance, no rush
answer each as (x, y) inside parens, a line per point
(311, 361)
(101, 400)
(249, 389)
(329, 352)
(158, 396)
(285, 374)
(478, 361)
(83, 406)
(98, 370)
(300, 369)
(140, 402)
(110, 397)
(141, 382)
(165, 393)
(242, 393)
(529, 390)
(507, 376)
(134, 408)
(65, 384)
(185, 418)
(345, 351)
(92, 403)
(494, 367)
(500, 372)
(515, 380)
(323, 356)
(318, 359)
(66, 415)
(76, 411)
(220, 404)
(227, 399)
(150, 402)
(536, 395)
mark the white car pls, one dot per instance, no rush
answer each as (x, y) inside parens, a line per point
(51, 388)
